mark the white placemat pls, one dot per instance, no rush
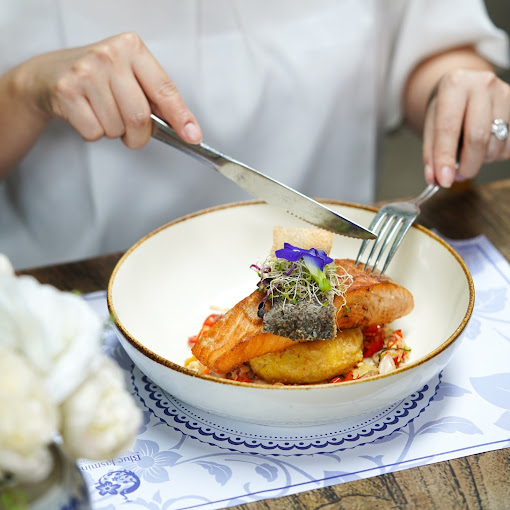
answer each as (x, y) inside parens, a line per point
(187, 458)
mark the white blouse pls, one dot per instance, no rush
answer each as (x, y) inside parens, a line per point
(299, 90)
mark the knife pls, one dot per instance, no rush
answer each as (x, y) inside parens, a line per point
(261, 186)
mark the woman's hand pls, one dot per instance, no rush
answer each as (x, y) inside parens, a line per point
(457, 138)
(107, 89)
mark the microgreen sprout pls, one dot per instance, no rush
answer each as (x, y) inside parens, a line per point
(387, 349)
(294, 274)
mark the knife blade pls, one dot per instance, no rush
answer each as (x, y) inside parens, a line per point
(262, 186)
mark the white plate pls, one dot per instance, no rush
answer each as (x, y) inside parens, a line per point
(163, 287)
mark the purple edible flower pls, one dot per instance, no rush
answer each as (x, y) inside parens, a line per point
(318, 258)
(314, 259)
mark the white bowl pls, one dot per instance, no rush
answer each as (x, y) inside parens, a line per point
(163, 287)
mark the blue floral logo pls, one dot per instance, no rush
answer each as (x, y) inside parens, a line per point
(118, 482)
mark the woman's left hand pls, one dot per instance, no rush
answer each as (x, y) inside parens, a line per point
(457, 133)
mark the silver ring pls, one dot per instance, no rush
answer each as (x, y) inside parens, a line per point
(499, 128)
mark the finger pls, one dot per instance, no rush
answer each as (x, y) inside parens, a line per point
(161, 91)
(427, 148)
(134, 109)
(69, 103)
(450, 108)
(81, 116)
(505, 152)
(498, 149)
(476, 135)
(106, 110)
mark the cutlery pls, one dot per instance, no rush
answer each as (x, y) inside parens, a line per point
(262, 186)
(392, 222)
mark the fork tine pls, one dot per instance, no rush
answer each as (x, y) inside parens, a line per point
(374, 225)
(406, 225)
(389, 237)
(393, 221)
(381, 237)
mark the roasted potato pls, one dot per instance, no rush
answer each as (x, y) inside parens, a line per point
(311, 362)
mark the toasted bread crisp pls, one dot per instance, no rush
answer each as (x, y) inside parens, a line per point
(305, 238)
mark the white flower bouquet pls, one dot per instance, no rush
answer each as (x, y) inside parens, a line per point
(55, 382)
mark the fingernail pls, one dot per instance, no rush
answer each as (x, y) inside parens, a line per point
(192, 132)
(446, 176)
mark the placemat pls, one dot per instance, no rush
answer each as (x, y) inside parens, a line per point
(186, 458)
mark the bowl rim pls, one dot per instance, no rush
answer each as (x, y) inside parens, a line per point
(160, 360)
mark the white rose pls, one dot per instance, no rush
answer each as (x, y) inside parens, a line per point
(100, 419)
(6, 268)
(32, 467)
(29, 419)
(56, 331)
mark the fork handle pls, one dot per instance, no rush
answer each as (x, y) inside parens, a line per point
(428, 192)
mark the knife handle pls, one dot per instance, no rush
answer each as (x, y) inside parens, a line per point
(163, 132)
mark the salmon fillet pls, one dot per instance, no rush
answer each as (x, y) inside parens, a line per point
(371, 299)
(231, 343)
(237, 337)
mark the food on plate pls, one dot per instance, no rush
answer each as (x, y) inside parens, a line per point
(308, 310)
(371, 299)
(311, 362)
(305, 237)
(383, 350)
(300, 285)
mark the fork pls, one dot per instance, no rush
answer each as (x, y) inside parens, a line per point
(392, 223)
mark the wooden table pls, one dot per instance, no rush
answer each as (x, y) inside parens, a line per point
(473, 482)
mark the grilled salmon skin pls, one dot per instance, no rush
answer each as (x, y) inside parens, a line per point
(237, 337)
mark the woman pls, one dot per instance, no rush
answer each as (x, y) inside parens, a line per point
(302, 92)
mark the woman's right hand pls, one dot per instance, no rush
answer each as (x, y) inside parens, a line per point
(108, 88)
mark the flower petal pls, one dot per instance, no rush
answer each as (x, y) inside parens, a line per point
(312, 257)
(290, 253)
